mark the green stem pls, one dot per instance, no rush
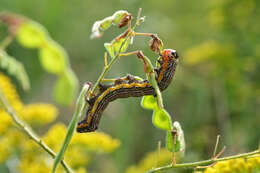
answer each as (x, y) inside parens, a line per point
(29, 131)
(152, 79)
(204, 162)
(157, 90)
(6, 42)
(79, 109)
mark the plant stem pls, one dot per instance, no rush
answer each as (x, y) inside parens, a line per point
(29, 131)
(8, 39)
(79, 109)
(204, 162)
(216, 146)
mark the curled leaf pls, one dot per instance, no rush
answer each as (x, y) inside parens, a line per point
(53, 57)
(106, 23)
(162, 119)
(180, 142)
(179, 146)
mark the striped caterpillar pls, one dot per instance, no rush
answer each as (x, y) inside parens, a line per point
(128, 87)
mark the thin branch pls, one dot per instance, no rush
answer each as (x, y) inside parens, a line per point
(138, 17)
(216, 146)
(29, 131)
(8, 39)
(204, 162)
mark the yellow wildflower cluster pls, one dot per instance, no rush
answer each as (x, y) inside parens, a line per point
(39, 114)
(31, 157)
(207, 51)
(150, 161)
(34, 114)
(77, 152)
(10, 93)
(241, 165)
(97, 141)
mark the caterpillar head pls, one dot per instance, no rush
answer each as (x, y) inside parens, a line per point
(170, 54)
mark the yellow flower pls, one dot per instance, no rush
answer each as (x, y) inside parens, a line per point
(97, 141)
(236, 166)
(4, 150)
(76, 156)
(8, 143)
(5, 121)
(201, 53)
(151, 160)
(55, 136)
(81, 170)
(28, 165)
(39, 114)
(10, 93)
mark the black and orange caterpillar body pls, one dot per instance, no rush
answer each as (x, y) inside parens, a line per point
(128, 87)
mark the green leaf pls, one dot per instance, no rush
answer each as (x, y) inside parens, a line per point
(53, 57)
(169, 141)
(109, 49)
(162, 119)
(15, 68)
(66, 88)
(118, 15)
(116, 44)
(149, 102)
(31, 34)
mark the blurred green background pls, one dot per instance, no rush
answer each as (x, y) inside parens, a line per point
(216, 89)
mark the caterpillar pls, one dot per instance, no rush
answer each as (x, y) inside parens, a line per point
(128, 87)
